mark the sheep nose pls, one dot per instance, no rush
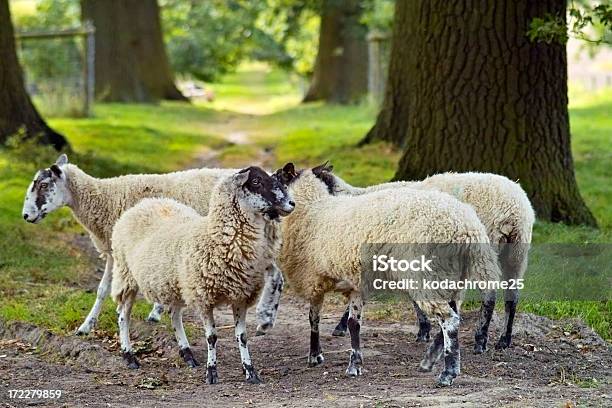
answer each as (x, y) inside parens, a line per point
(292, 203)
(25, 217)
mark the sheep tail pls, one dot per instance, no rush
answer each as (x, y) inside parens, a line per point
(482, 262)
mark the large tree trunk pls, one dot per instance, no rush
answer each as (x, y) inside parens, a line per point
(341, 68)
(468, 91)
(131, 60)
(17, 113)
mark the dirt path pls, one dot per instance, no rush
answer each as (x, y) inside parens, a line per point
(542, 369)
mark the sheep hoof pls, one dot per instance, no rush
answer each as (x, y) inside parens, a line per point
(479, 348)
(211, 375)
(425, 366)
(314, 361)
(81, 332)
(353, 371)
(153, 318)
(503, 343)
(85, 328)
(188, 357)
(355, 362)
(445, 379)
(254, 379)
(250, 373)
(130, 360)
(339, 332)
(262, 329)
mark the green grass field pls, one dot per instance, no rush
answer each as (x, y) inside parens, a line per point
(41, 274)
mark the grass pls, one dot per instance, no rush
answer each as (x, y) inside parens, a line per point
(42, 275)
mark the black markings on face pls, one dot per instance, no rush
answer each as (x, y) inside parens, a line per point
(41, 187)
(269, 188)
(324, 173)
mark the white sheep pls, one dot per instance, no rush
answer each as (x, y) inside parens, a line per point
(178, 258)
(316, 259)
(97, 204)
(504, 209)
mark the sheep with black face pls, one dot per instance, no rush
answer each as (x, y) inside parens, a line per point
(178, 258)
(317, 260)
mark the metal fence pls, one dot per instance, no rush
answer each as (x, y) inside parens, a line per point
(58, 68)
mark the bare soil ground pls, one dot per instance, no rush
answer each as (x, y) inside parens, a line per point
(548, 366)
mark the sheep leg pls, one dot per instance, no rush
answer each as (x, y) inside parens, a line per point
(452, 359)
(103, 290)
(354, 326)
(342, 326)
(267, 307)
(433, 353)
(486, 313)
(435, 349)
(315, 357)
(424, 325)
(155, 314)
(125, 310)
(211, 340)
(511, 298)
(176, 313)
(241, 338)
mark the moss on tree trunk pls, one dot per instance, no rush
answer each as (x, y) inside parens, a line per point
(468, 91)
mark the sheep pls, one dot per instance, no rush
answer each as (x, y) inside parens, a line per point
(504, 209)
(98, 203)
(316, 260)
(178, 258)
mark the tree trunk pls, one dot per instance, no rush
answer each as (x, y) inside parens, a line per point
(131, 62)
(17, 113)
(341, 68)
(468, 91)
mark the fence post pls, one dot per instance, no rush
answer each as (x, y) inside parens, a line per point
(89, 66)
(376, 66)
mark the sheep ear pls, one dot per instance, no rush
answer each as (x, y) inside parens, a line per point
(289, 168)
(325, 167)
(57, 172)
(287, 174)
(61, 160)
(240, 178)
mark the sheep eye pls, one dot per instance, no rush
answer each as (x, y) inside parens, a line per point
(255, 182)
(44, 185)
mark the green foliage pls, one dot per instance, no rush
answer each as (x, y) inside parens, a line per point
(582, 17)
(44, 59)
(206, 39)
(292, 30)
(378, 14)
(53, 67)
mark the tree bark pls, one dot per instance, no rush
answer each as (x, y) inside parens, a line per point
(17, 113)
(468, 91)
(131, 61)
(341, 68)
